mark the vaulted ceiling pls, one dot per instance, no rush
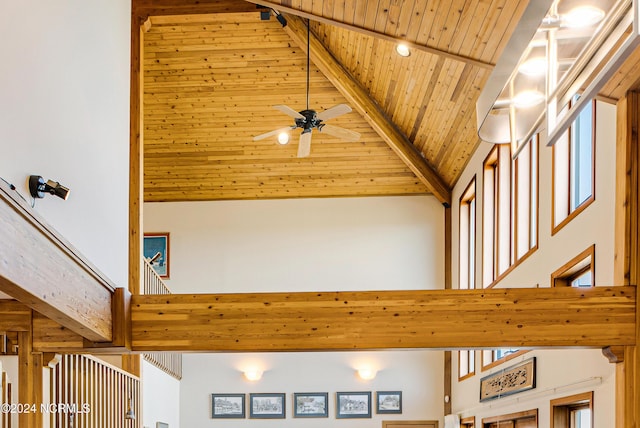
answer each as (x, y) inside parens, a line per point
(213, 70)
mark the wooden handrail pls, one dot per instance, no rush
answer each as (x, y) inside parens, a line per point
(168, 362)
(86, 391)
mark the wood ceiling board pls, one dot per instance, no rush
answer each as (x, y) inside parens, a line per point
(205, 99)
(362, 102)
(198, 87)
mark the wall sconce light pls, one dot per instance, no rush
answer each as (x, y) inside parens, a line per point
(130, 415)
(253, 374)
(38, 187)
(366, 373)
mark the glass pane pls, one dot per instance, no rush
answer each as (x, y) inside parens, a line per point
(581, 157)
(464, 245)
(584, 280)
(487, 227)
(463, 370)
(581, 418)
(472, 243)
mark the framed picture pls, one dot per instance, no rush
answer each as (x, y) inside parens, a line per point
(510, 380)
(156, 251)
(353, 404)
(389, 402)
(266, 406)
(310, 405)
(161, 425)
(227, 406)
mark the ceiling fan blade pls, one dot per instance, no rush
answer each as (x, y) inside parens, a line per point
(341, 133)
(272, 133)
(304, 147)
(289, 111)
(334, 111)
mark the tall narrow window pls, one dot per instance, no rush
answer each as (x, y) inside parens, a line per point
(573, 168)
(468, 237)
(510, 209)
(467, 265)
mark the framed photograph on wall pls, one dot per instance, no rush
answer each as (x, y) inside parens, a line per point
(156, 252)
(228, 406)
(353, 405)
(266, 406)
(310, 405)
(388, 402)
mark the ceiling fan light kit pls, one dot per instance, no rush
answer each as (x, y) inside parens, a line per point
(309, 119)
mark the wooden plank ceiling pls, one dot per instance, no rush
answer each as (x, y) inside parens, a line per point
(210, 81)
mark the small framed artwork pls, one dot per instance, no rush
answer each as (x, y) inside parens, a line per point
(228, 406)
(266, 406)
(162, 425)
(389, 402)
(353, 404)
(156, 252)
(310, 405)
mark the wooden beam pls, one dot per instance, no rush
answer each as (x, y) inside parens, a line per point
(142, 9)
(371, 33)
(369, 109)
(42, 270)
(443, 319)
(49, 336)
(627, 250)
(29, 381)
(14, 316)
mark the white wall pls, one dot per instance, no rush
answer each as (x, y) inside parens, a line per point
(560, 372)
(64, 114)
(161, 397)
(306, 245)
(302, 244)
(418, 374)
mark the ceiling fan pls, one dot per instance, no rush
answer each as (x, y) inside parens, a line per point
(309, 119)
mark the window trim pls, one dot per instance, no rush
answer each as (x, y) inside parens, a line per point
(501, 360)
(587, 202)
(466, 196)
(490, 160)
(468, 422)
(565, 273)
(565, 404)
(471, 372)
(527, 414)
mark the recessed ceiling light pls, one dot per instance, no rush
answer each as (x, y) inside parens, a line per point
(403, 50)
(582, 16)
(283, 138)
(527, 99)
(534, 67)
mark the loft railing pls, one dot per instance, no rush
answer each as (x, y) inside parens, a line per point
(5, 400)
(169, 362)
(87, 392)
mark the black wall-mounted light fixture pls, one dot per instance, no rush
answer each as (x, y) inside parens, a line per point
(38, 187)
(265, 14)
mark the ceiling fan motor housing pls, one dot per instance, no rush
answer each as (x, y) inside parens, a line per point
(310, 120)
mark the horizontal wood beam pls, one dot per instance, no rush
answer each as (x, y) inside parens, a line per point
(14, 316)
(371, 33)
(361, 101)
(42, 270)
(142, 9)
(443, 319)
